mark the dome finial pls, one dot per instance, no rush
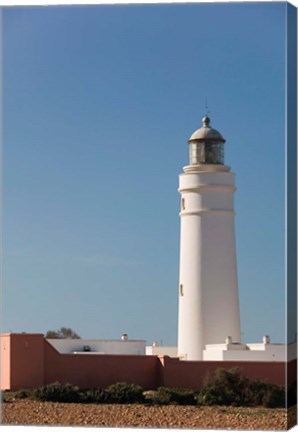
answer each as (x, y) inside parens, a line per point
(206, 121)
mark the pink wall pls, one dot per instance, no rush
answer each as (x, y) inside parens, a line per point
(100, 370)
(29, 361)
(5, 361)
(192, 373)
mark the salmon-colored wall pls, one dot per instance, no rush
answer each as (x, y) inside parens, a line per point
(27, 360)
(192, 373)
(5, 361)
(87, 371)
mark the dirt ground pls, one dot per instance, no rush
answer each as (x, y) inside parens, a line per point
(26, 411)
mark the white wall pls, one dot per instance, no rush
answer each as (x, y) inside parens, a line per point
(170, 351)
(251, 352)
(232, 352)
(129, 347)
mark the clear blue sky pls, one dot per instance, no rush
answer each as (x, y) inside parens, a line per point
(99, 103)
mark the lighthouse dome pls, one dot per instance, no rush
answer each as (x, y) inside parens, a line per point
(206, 133)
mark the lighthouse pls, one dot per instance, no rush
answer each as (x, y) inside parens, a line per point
(208, 286)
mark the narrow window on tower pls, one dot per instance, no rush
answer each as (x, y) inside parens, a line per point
(183, 203)
(181, 290)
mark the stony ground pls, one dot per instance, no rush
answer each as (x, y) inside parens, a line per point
(25, 411)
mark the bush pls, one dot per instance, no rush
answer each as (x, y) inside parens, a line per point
(230, 387)
(257, 389)
(94, 396)
(275, 397)
(161, 396)
(123, 393)
(166, 396)
(179, 396)
(23, 394)
(57, 392)
(150, 396)
(261, 392)
(226, 387)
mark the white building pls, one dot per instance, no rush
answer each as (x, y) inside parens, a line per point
(160, 350)
(264, 351)
(208, 289)
(233, 351)
(122, 346)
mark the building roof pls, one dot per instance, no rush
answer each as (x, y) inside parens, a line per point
(206, 133)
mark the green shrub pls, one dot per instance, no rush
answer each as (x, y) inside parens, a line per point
(9, 396)
(123, 393)
(23, 394)
(150, 396)
(230, 387)
(261, 392)
(275, 397)
(96, 395)
(257, 390)
(179, 396)
(161, 397)
(166, 396)
(57, 392)
(226, 387)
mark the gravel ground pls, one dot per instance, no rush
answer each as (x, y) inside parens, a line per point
(24, 412)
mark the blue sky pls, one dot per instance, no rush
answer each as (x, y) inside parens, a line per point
(99, 103)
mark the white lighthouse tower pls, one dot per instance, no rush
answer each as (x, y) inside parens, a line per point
(208, 289)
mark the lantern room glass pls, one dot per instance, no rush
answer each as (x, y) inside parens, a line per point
(206, 153)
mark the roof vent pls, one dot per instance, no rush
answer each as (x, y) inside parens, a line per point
(124, 337)
(266, 340)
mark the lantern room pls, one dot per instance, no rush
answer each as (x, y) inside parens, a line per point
(206, 145)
